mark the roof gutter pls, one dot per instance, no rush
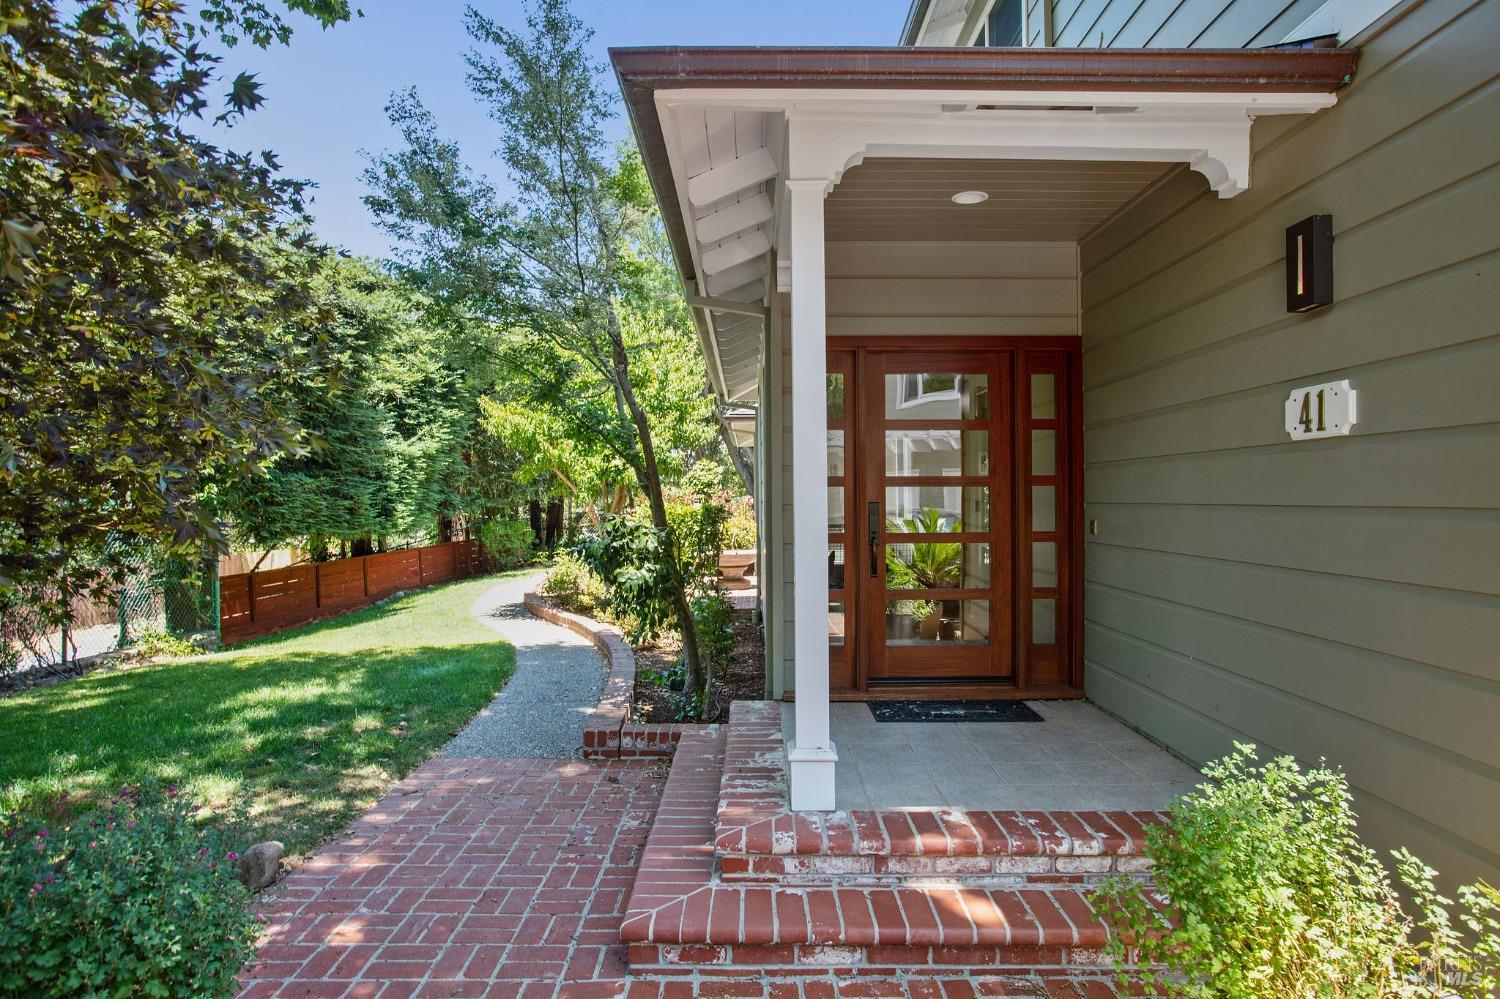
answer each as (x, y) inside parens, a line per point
(998, 69)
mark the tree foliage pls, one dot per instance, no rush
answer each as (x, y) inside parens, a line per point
(596, 345)
(154, 310)
(400, 444)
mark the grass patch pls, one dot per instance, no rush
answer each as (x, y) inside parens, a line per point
(305, 729)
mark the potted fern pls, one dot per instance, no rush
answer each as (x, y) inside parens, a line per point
(927, 565)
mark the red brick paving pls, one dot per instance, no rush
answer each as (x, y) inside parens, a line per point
(506, 877)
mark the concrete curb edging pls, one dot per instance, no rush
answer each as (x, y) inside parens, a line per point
(609, 733)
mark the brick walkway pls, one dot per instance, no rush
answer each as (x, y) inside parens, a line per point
(499, 877)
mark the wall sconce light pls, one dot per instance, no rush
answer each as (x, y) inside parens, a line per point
(1309, 264)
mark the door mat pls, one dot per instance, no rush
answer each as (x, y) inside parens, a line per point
(953, 711)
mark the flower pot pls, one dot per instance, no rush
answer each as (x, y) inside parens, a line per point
(733, 564)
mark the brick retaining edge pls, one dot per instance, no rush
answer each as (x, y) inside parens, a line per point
(609, 733)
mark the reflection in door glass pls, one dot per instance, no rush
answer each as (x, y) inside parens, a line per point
(836, 623)
(835, 397)
(937, 396)
(1044, 564)
(1044, 508)
(937, 452)
(835, 567)
(949, 508)
(835, 452)
(1044, 452)
(937, 565)
(1043, 398)
(937, 622)
(835, 508)
(1044, 621)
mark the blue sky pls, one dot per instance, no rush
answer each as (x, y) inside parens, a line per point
(325, 93)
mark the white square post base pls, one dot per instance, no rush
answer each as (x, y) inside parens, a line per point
(812, 778)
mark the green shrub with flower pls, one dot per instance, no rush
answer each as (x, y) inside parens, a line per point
(137, 897)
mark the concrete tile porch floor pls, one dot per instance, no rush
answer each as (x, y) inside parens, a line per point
(1077, 758)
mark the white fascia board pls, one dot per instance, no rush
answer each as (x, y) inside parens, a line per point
(830, 131)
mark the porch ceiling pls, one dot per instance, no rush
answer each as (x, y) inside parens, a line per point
(903, 199)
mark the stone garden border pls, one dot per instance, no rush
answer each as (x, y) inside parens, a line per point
(609, 733)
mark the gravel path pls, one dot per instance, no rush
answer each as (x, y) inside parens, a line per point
(557, 681)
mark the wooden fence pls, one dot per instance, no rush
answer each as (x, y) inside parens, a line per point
(253, 604)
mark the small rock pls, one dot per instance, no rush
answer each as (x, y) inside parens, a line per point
(260, 864)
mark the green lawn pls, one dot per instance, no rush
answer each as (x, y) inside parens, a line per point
(304, 728)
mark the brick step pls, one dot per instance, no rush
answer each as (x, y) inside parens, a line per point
(1023, 965)
(758, 838)
(681, 912)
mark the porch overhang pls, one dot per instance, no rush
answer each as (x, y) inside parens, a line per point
(722, 130)
(743, 146)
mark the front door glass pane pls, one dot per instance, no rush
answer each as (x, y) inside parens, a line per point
(835, 508)
(937, 452)
(937, 396)
(1043, 397)
(1044, 621)
(1044, 508)
(835, 452)
(935, 509)
(940, 565)
(835, 397)
(1044, 452)
(836, 623)
(937, 622)
(1044, 564)
(835, 566)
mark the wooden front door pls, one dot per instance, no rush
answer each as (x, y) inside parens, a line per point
(950, 519)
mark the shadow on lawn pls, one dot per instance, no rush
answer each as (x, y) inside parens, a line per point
(303, 738)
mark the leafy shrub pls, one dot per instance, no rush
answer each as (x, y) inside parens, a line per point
(573, 585)
(630, 558)
(133, 899)
(507, 543)
(1271, 894)
(714, 615)
(698, 532)
(672, 678)
(740, 532)
(155, 642)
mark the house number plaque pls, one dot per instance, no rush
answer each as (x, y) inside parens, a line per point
(1325, 410)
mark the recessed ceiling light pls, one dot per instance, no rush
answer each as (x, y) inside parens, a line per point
(970, 197)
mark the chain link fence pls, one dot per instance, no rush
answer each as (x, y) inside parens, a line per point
(156, 597)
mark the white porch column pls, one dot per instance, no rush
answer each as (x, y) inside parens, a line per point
(812, 755)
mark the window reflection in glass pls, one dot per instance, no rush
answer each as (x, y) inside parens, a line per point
(835, 452)
(835, 508)
(937, 396)
(937, 452)
(835, 567)
(937, 622)
(835, 397)
(943, 509)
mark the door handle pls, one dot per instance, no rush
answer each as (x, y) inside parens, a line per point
(874, 538)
